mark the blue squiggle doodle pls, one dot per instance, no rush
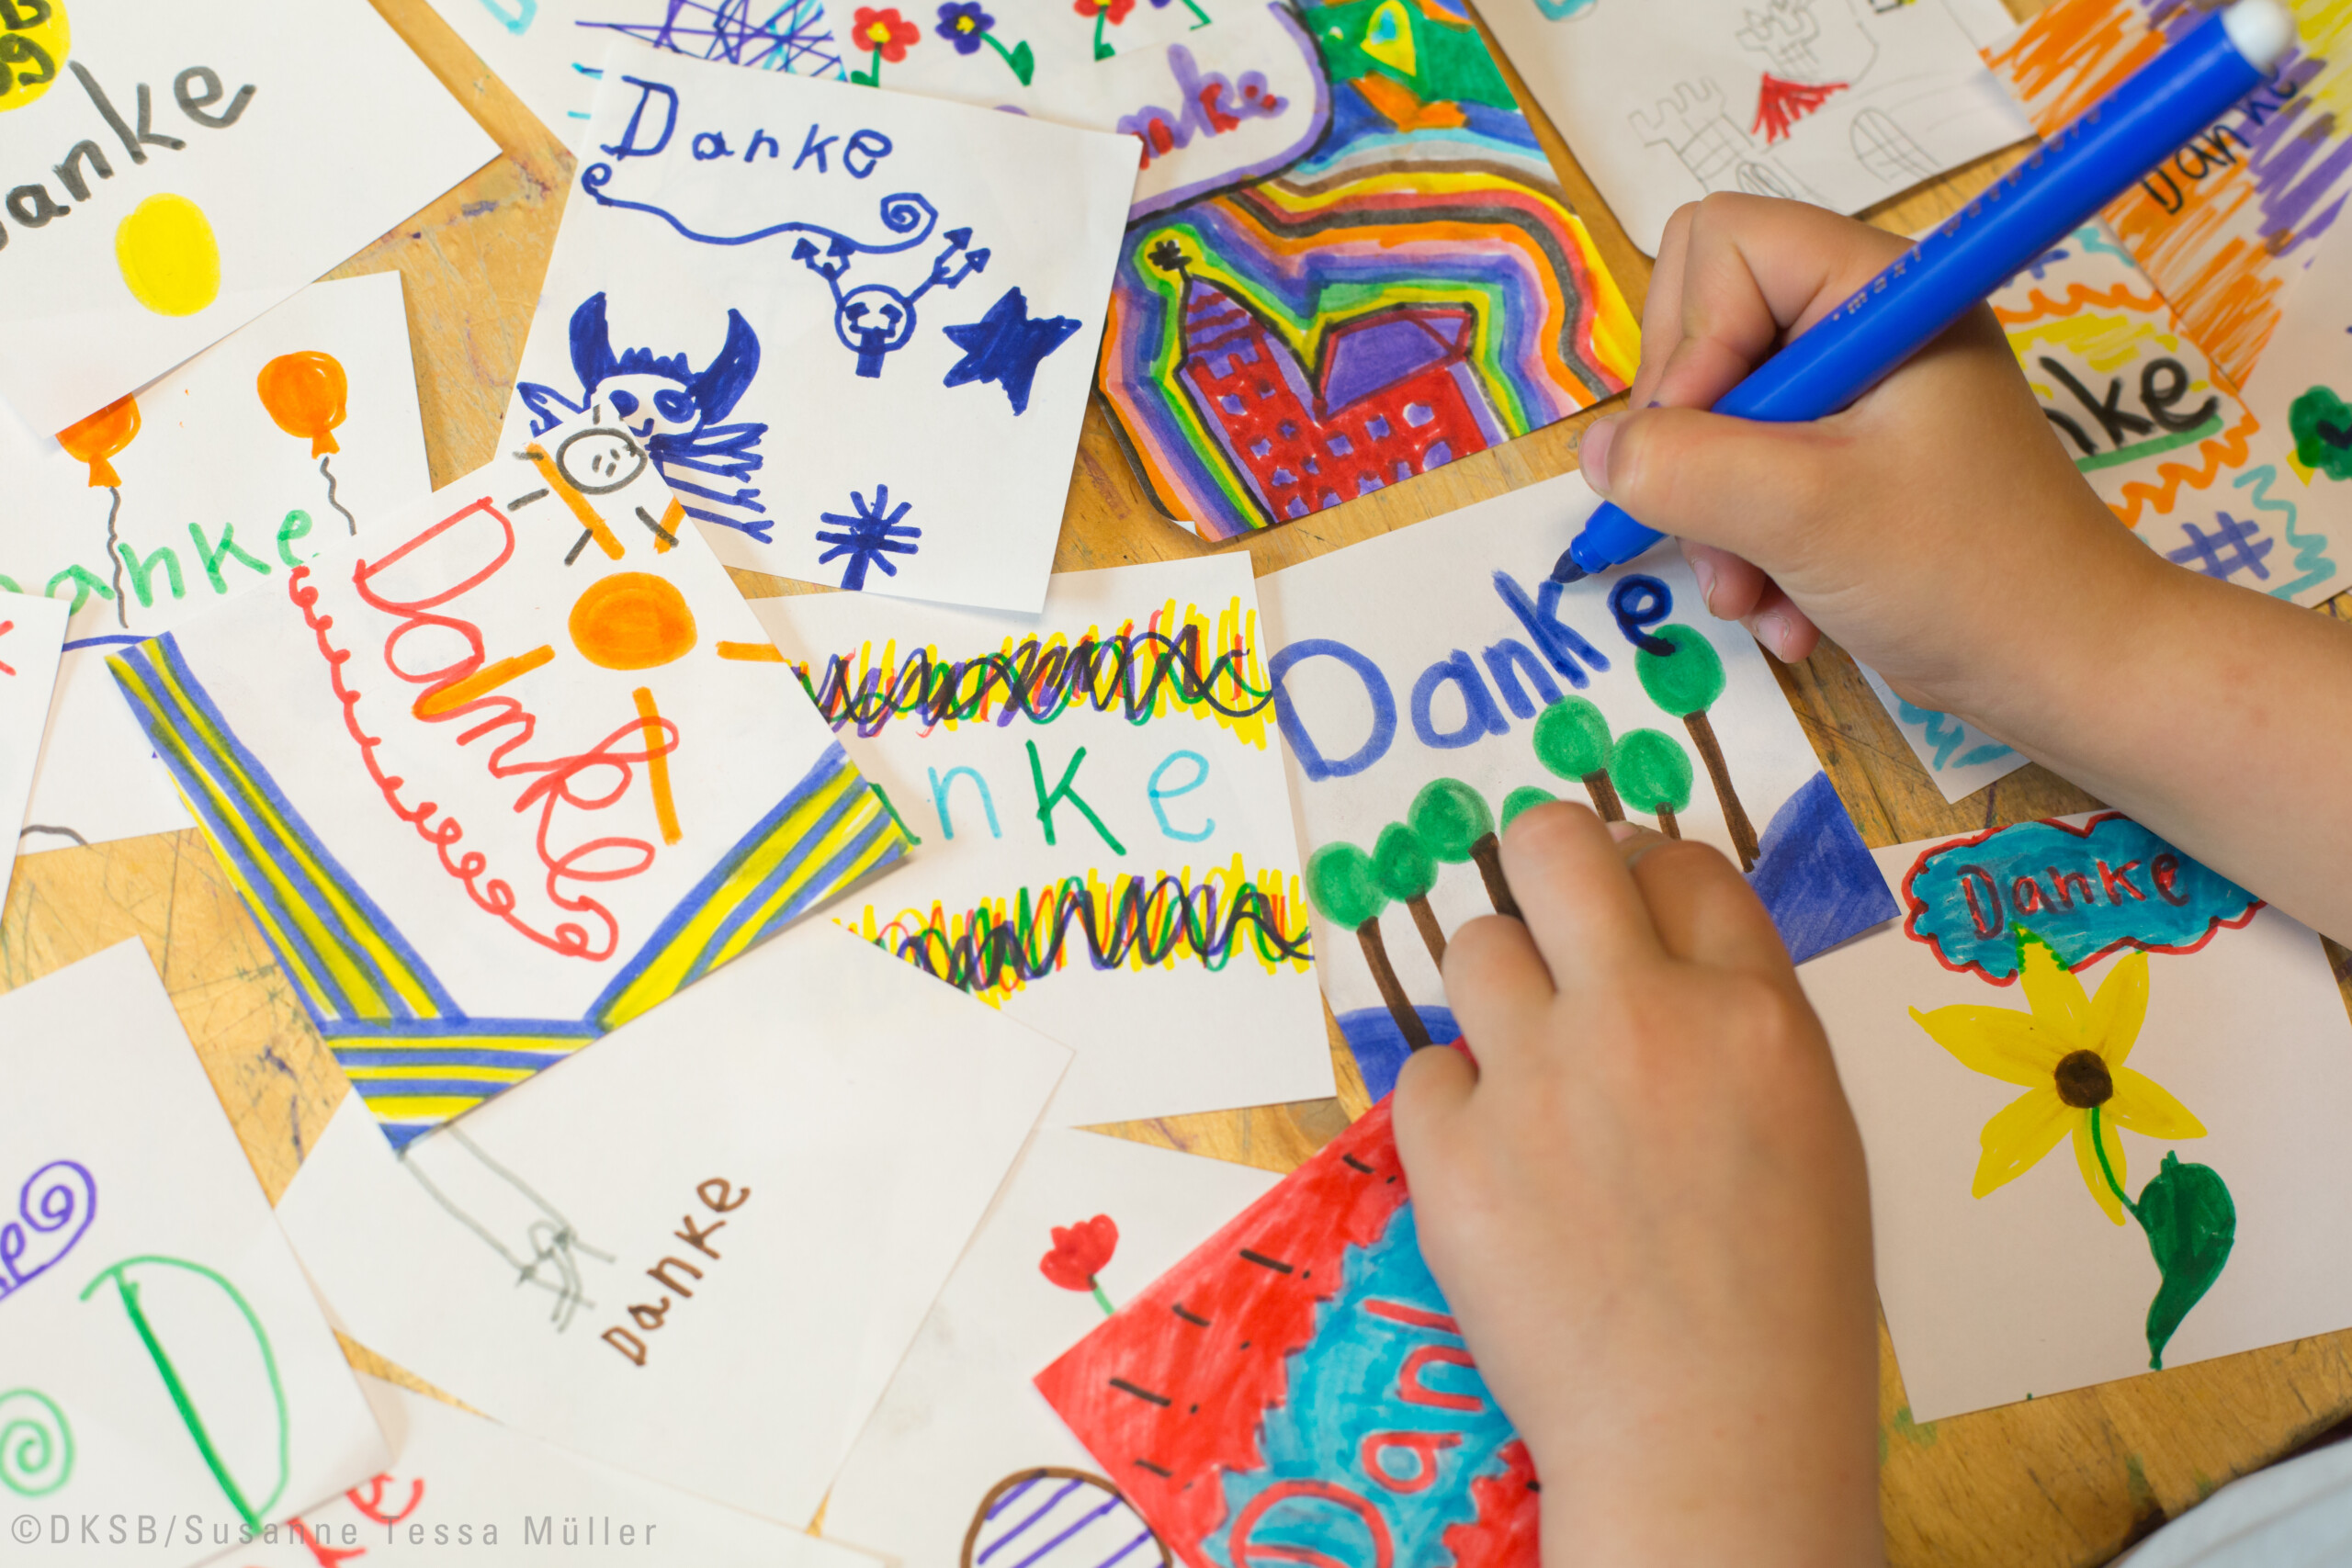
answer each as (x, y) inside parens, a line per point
(1945, 733)
(2311, 549)
(902, 212)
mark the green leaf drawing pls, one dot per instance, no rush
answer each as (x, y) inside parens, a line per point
(1652, 772)
(1572, 739)
(1406, 870)
(1344, 886)
(1523, 797)
(2191, 1224)
(1403, 864)
(1451, 818)
(2321, 423)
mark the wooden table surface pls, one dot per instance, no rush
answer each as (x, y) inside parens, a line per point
(2066, 1480)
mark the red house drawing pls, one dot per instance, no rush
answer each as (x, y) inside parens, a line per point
(1395, 396)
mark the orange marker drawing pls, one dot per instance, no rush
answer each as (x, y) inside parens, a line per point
(489, 677)
(750, 652)
(589, 517)
(657, 767)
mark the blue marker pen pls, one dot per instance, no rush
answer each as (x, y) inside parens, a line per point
(2180, 93)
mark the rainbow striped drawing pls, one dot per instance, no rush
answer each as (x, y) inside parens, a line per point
(384, 793)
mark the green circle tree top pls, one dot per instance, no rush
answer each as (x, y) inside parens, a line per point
(1449, 816)
(1340, 879)
(1650, 769)
(1572, 739)
(1403, 864)
(1687, 681)
(1521, 798)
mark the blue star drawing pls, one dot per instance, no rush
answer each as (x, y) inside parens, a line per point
(869, 536)
(1005, 345)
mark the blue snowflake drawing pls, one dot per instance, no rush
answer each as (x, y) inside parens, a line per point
(868, 536)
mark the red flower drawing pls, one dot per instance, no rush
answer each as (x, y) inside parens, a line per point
(885, 32)
(1116, 9)
(1080, 1252)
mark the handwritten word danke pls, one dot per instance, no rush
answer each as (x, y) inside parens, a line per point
(1211, 107)
(719, 1196)
(421, 585)
(203, 103)
(857, 154)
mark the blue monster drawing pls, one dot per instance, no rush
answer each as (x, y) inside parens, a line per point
(675, 411)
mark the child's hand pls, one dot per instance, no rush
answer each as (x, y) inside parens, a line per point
(1647, 1205)
(1923, 528)
(1938, 530)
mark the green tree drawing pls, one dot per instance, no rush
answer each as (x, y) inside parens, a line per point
(1685, 682)
(1521, 798)
(1652, 772)
(1572, 741)
(1451, 818)
(1345, 887)
(1406, 872)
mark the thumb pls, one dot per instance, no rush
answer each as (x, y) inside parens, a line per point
(1760, 491)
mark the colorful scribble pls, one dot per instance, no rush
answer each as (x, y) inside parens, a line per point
(1140, 673)
(768, 35)
(1132, 921)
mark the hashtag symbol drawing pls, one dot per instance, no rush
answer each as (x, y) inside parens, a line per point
(2204, 552)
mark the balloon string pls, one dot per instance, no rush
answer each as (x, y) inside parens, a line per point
(114, 554)
(347, 517)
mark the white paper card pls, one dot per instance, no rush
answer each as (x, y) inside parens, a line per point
(505, 772)
(551, 51)
(198, 492)
(856, 330)
(844, 1118)
(188, 167)
(163, 1356)
(1960, 757)
(1434, 682)
(962, 1419)
(1162, 931)
(31, 633)
(1844, 103)
(2041, 1284)
(464, 1486)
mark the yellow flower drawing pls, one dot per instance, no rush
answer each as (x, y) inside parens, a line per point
(2068, 1054)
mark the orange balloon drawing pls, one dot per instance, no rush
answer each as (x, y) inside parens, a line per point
(304, 393)
(100, 436)
(631, 620)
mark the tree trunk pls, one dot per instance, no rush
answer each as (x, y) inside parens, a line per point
(1400, 1008)
(1604, 790)
(1742, 836)
(1666, 821)
(1432, 935)
(1489, 853)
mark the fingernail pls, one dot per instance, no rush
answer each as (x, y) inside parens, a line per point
(1620, 831)
(1593, 452)
(1772, 631)
(1704, 571)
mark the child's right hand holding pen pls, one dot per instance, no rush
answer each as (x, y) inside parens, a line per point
(1939, 532)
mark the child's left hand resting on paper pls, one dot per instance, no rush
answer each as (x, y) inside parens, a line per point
(1646, 1203)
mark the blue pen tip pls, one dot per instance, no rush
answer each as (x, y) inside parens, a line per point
(1566, 568)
